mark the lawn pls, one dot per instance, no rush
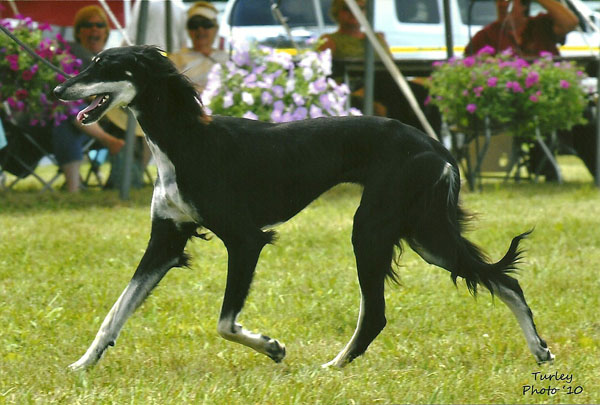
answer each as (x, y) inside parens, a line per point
(65, 259)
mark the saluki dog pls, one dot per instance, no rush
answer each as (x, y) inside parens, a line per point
(238, 177)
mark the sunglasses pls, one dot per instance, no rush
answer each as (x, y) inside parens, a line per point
(91, 24)
(195, 23)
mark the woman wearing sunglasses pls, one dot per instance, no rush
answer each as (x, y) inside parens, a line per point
(197, 61)
(91, 33)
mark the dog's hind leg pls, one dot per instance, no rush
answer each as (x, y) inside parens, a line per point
(164, 251)
(243, 254)
(438, 245)
(373, 247)
(509, 291)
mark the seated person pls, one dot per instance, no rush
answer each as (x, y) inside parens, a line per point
(91, 33)
(349, 42)
(196, 62)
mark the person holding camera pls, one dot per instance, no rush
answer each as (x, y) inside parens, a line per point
(527, 36)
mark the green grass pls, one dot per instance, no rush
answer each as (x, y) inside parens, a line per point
(65, 259)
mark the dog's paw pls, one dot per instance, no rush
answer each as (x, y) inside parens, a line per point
(275, 350)
(80, 365)
(546, 357)
(338, 362)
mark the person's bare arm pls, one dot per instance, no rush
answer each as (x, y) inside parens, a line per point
(564, 19)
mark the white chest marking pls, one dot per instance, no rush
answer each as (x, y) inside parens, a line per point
(167, 201)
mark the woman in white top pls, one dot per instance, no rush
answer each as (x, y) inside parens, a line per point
(197, 61)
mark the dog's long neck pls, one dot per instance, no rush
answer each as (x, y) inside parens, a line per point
(167, 109)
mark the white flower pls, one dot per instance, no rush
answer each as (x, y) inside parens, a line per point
(250, 115)
(247, 98)
(228, 99)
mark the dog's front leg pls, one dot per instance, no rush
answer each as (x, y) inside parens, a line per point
(243, 256)
(164, 251)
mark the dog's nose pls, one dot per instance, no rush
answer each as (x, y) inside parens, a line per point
(58, 90)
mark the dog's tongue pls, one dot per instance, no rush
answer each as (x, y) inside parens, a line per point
(90, 107)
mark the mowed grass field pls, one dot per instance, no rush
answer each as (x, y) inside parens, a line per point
(65, 259)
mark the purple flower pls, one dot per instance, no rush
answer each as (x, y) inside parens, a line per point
(532, 78)
(471, 108)
(469, 61)
(478, 90)
(492, 81)
(315, 112)
(278, 91)
(427, 100)
(325, 100)
(486, 50)
(278, 106)
(515, 86)
(534, 98)
(298, 99)
(266, 98)
(300, 114)
(564, 84)
(250, 115)
(318, 86)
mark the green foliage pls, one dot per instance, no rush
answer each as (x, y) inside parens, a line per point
(510, 91)
(65, 259)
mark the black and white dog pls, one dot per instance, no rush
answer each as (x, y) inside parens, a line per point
(236, 177)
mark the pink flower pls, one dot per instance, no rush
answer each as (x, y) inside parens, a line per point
(534, 98)
(515, 86)
(469, 61)
(486, 50)
(478, 90)
(471, 108)
(27, 75)
(532, 78)
(426, 102)
(492, 81)
(21, 94)
(564, 84)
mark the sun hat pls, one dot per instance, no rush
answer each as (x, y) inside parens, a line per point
(203, 9)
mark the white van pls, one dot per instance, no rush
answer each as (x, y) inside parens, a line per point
(414, 29)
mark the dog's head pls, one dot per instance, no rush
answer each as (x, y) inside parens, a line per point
(115, 77)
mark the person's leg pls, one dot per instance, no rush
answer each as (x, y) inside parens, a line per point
(67, 143)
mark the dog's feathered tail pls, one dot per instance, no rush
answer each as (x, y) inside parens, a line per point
(440, 222)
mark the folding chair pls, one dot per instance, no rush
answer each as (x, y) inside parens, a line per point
(23, 153)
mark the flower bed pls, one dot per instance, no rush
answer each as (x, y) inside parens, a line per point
(260, 83)
(25, 83)
(510, 91)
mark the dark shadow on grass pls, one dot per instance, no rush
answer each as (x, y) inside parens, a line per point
(34, 201)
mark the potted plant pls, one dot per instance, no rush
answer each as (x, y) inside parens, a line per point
(260, 83)
(509, 91)
(25, 83)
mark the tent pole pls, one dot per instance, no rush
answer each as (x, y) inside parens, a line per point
(369, 65)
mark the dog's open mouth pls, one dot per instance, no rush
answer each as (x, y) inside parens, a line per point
(94, 111)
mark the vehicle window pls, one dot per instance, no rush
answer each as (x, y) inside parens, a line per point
(418, 12)
(482, 12)
(258, 12)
